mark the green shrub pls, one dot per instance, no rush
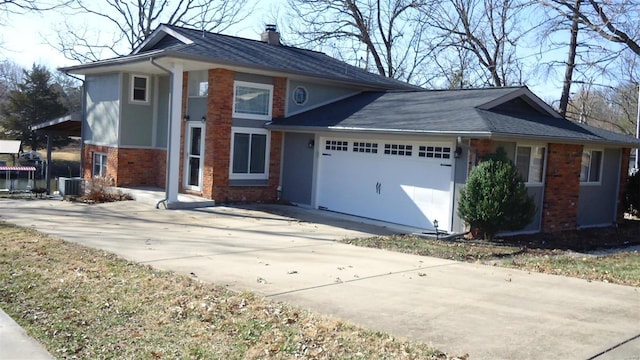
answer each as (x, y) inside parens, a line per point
(632, 196)
(495, 198)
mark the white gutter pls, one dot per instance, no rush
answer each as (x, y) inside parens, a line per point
(173, 133)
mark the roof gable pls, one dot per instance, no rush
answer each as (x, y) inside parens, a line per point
(449, 112)
(162, 37)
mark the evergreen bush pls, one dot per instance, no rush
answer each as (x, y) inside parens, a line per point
(495, 198)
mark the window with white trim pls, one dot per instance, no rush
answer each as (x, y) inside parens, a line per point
(591, 169)
(99, 164)
(139, 89)
(249, 153)
(252, 101)
(530, 163)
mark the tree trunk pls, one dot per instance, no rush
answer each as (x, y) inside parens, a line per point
(571, 61)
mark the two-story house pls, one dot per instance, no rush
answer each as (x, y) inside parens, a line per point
(233, 119)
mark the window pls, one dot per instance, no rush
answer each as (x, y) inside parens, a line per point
(398, 149)
(299, 95)
(249, 153)
(336, 145)
(365, 147)
(437, 152)
(139, 89)
(530, 163)
(591, 166)
(99, 164)
(252, 101)
(198, 83)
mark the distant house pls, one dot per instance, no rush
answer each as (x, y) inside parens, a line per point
(232, 119)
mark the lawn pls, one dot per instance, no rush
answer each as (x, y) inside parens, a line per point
(83, 303)
(621, 268)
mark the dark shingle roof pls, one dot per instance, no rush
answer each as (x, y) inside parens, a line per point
(451, 112)
(233, 51)
(240, 51)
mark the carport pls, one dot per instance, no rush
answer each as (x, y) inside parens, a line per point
(68, 125)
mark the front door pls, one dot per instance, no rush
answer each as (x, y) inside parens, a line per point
(194, 156)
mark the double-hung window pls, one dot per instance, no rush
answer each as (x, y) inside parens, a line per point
(250, 153)
(591, 169)
(139, 89)
(530, 163)
(99, 164)
(252, 101)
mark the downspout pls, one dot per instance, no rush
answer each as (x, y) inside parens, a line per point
(166, 181)
(82, 119)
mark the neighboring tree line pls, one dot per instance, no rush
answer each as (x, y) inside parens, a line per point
(29, 97)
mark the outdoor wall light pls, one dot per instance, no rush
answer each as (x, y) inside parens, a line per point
(186, 118)
(458, 152)
(203, 118)
(311, 144)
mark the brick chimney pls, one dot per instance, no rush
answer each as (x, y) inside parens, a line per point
(271, 35)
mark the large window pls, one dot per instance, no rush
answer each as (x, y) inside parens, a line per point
(99, 164)
(252, 101)
(530, 163)
(250, 153)
(139, 89)
(591, 168)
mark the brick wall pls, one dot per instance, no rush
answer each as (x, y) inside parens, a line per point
(482, 147)
(112, 162)
(129, 167)
(624, 175)
(562, 189)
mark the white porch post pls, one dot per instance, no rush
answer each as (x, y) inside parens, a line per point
(173, 147)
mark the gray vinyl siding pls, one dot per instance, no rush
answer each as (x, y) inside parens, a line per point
(197, 108)
(597, 202)
(297, 168)
(162, 125)
(136, 121)
(259, 79)
(103, 109)
(317, 94)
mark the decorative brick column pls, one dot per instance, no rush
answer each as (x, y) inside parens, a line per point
(483, 147)
(218, 134)
(183, 128)
(624, 175)
(562, 188)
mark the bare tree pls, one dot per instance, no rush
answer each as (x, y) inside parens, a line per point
(611, 108)
(122, 25)
(388, 34)
(488, 29)
(614, 20)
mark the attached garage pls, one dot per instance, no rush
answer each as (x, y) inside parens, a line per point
(403, 182)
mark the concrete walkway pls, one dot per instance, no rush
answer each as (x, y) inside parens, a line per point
(488, 312)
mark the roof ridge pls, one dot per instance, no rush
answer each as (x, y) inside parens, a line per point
(238, 37)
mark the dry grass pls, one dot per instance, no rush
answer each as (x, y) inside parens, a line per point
(83, 303)
(622, 268)
(66, 155)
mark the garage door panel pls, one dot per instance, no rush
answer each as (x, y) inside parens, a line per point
(396, 183)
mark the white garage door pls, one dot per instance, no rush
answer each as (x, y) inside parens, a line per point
(408, 183)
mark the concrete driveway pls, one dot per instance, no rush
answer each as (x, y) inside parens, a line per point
(487, 312)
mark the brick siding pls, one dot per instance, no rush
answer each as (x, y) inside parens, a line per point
(562, 188)
(129, 167)
(624, 175)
